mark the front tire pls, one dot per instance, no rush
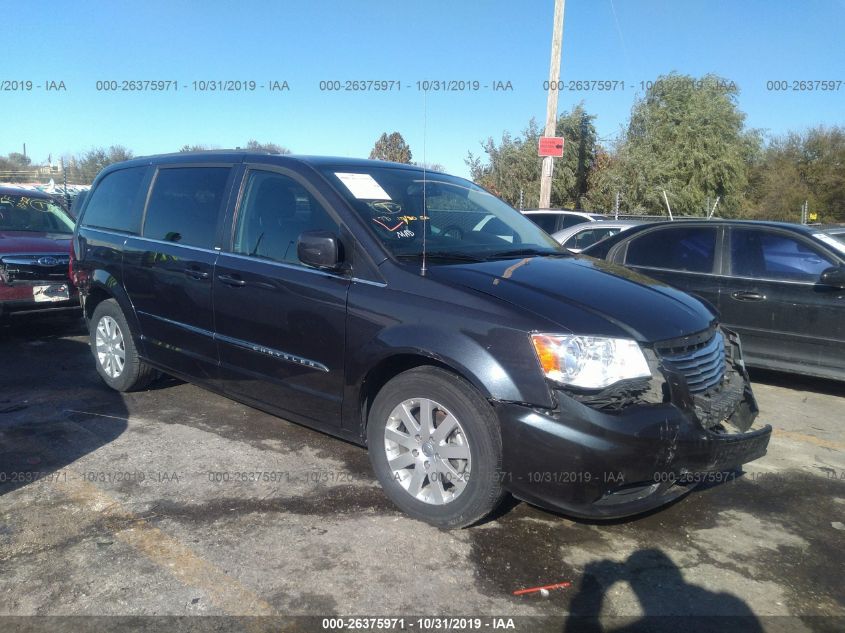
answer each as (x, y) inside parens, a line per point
(435, 446)
(114, 349)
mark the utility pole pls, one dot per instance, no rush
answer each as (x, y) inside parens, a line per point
(64, 177)
(551, 102)
(616, 207)
(715, 204)
(668, 208)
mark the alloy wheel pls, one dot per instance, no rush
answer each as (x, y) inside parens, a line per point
(111, 349)
(427, 451)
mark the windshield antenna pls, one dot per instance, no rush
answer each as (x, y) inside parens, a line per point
(423, 215)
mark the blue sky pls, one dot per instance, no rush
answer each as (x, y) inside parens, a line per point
(304, 42)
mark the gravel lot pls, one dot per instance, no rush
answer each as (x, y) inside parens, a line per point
(177, 502)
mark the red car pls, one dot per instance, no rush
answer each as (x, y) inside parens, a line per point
(35, 234)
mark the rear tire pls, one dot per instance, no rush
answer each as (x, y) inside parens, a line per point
(113, 347)
(435, 446)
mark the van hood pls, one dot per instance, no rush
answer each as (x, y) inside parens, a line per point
(20, 242)
(586, 296)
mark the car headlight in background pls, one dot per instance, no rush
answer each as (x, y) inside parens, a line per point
(589, 362)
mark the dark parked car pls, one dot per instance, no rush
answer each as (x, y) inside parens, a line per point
(35, 235)
(331, 292)
(780, 286)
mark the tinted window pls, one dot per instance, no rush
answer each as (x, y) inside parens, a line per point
(115, 203)
(496, 226)
(756, 253)
(572, 220)
(676, 248)
(184, 205)
(546, 221)
(588, 237)
(76, 204)
(274, 212)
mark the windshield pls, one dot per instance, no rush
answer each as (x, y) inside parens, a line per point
(32, 215)
(459, 219)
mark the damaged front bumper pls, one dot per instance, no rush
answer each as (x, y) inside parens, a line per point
(595, 462)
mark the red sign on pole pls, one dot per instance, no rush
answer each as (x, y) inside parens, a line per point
(551, 146)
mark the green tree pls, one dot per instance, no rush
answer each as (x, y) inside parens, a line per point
(272, 148)
(513, 166)
(195, 148)
(605, 181)
(686, 136)
(83, 168)
(19, 160)
(251, 145)
(392, 148)
(15, 167)
(432, 167)
(797, 167)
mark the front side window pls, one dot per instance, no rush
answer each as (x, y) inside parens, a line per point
(451, 216)
(185, 204)
(685, 248)
(768, 255)
(114, 204)
(32, 214)
(275, 211)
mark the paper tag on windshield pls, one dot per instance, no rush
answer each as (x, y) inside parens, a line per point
(363, 186)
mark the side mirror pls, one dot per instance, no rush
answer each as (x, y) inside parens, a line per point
(320, 249)
(833, 276)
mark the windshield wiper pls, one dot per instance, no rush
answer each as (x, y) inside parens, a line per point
(526, 252)
(441, 255)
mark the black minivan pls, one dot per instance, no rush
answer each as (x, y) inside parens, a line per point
(416, 314)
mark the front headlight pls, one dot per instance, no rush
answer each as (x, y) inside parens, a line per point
(589, 362)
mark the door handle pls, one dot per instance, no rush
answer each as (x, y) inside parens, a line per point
(229, 280)
(193, 273)
(748, 296)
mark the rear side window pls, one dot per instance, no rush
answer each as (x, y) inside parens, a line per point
(762, 254)
(116, 202)
(572, 220)
(678, 248)
(185, 204)
(588, 237)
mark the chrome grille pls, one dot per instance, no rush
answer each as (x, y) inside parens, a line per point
(50, 267)
(703, 364)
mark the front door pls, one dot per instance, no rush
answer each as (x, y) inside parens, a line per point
(684, 256)
(772, 297)
(280, 325)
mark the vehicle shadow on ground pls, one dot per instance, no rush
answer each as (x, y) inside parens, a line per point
(46, 427)
(796, 382)
(666, 600)
(31, 327)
